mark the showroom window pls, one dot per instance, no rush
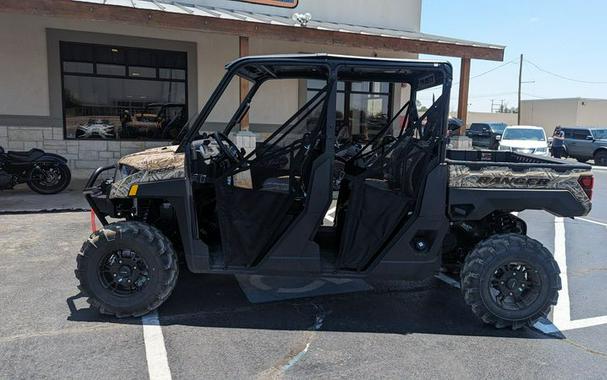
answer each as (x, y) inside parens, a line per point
(363, 108)
(123, 93)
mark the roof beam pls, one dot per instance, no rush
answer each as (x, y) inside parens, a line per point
(100, 12)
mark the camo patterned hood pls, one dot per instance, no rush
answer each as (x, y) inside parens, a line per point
(154, 159)
(147, 166)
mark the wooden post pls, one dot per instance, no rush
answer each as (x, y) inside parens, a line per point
(464, 88)
(244, 84)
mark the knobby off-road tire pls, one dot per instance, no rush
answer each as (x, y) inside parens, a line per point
(109, 253)
(515, 267)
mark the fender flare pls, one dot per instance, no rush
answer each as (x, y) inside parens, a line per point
(51, 157)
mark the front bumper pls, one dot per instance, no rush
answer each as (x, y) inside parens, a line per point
(98, 194)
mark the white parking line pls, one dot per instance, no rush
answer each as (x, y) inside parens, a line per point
(155, 351)
(562, 310)
(592, 221)
(561, 320)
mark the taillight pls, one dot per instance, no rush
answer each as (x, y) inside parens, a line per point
(587, 183)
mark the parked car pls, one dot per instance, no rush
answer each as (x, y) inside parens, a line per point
(486, 135)
(524, 139)
(407, 212)
(586, 143)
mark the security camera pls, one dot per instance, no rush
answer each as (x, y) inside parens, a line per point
(302, 18)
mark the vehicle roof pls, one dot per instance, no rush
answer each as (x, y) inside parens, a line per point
(424, 74)
(524, 127)
(325, 57)
(580, 127)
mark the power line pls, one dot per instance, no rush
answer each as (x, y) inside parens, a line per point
(493, 69)
(490, 70)
(562, 76)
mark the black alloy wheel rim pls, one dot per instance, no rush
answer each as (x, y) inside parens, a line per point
(48, 176)
(123, 272)
(515, 286)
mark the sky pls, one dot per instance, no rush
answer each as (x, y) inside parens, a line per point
(565, 37)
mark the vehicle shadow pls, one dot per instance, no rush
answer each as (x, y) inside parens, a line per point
(429, 307)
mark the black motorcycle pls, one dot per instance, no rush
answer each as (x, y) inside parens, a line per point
(45, 173)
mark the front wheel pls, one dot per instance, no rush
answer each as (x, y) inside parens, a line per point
(49, 178)
(600, 158)
(127, 269)
(510, 281)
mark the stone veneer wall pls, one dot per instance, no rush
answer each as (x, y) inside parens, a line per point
(86, 155)
(83, 156)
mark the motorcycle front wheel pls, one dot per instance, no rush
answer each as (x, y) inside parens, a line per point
(49, 178)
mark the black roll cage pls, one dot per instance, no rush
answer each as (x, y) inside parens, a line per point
(309, 66)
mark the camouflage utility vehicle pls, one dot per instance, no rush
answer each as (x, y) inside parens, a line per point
(406, 207)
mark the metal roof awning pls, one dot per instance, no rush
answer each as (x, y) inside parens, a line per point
(183, 15)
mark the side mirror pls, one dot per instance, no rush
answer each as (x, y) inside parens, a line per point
(498, 137)
(455, 124)
(590, 138)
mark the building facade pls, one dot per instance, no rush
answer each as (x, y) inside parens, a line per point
(550, 113)
(94, 80)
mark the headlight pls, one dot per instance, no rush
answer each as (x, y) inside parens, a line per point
(541, 150)
(503, 147)
(124, 171)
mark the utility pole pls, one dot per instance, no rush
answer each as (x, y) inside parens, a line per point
(520, 83)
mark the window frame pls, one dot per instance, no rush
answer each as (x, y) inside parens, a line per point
(579, 132)
(94, 61)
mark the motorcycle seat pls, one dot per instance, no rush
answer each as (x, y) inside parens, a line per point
(31, 155)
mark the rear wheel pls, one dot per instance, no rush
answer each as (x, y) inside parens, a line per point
(127, 269)
(510, 281)
(49, 178)
(600, 158)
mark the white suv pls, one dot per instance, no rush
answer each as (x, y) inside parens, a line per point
(524, 139)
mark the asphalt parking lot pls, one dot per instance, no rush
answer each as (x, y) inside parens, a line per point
(210, 329)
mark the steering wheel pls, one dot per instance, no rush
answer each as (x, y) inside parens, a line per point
(231, 151)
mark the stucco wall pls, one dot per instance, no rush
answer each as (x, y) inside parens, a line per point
(397, 14)
(490, 117)
(549, 113)
(25, 96)
(592, 112)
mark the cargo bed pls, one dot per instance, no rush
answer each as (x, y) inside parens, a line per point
(483, 181)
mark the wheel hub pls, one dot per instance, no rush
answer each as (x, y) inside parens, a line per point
(514, 286)
(124, 272)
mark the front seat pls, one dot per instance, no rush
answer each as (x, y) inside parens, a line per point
(281, 184)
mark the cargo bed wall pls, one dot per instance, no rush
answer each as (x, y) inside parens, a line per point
(480, 185)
